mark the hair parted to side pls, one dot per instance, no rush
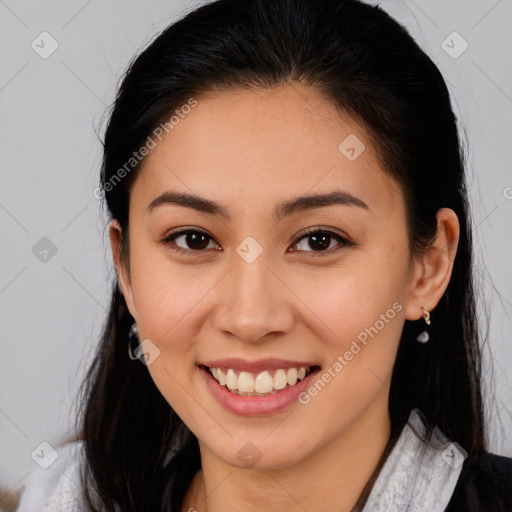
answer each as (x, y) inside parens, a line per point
(366, 65)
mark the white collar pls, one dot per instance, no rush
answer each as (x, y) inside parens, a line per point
(418, 476)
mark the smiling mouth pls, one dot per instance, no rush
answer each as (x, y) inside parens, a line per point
(265, 383)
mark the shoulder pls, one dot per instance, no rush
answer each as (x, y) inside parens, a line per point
(58, 486)
(485, 484)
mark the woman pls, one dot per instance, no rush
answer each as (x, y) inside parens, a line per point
(292, 324)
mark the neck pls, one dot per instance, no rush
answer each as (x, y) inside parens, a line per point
(331, 479)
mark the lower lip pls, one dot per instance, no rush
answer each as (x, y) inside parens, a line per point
(256, 405)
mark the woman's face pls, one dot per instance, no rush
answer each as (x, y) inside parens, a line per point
(253, 291)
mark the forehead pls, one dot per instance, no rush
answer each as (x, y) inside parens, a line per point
(254, 147)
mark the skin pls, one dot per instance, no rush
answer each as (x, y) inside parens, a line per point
(249, 151)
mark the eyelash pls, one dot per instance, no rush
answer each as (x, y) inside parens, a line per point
(343, 242)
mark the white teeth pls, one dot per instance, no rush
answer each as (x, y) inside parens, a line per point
(292, 376)
(245, 382)
(280, 379)
(262, 383)
(220, 377)
(231, 380)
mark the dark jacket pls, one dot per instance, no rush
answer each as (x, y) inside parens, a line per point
(484, 485)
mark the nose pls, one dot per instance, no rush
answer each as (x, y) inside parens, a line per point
(253, 302)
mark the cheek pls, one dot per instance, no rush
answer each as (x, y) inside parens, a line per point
(359, 319)
(169, 302)
(353, 298)
(165, 294)
(358, 315)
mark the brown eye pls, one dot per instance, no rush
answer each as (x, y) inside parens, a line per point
(189, 240)
(317, 241)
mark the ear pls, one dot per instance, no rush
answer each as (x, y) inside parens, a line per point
(123, 276)
(433, 268)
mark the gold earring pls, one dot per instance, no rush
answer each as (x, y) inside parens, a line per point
(426, 315)
(423, 336)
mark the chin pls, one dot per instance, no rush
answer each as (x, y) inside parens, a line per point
(258, 457)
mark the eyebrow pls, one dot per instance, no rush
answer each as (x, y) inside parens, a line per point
(285, 209)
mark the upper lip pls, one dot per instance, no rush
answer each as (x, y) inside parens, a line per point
(257, 366)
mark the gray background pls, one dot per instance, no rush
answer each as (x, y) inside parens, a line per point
(52, 311)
